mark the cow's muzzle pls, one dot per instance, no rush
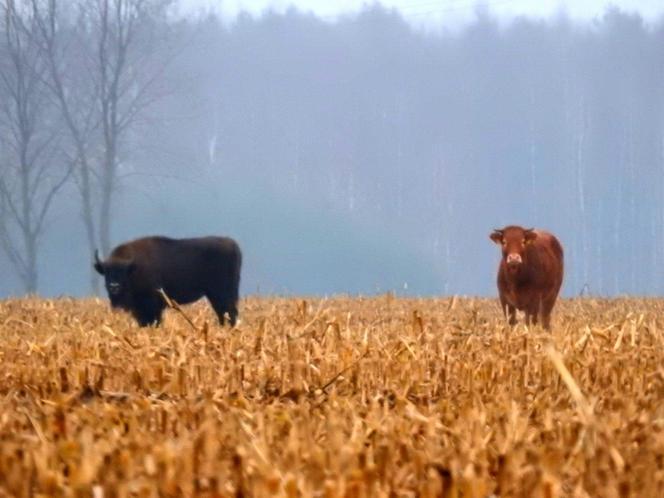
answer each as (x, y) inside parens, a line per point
(114, 288)
(513, 260)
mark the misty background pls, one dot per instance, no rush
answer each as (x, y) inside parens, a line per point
(358, 154)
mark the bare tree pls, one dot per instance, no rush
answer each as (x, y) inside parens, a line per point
(32, 172)
(105, 64)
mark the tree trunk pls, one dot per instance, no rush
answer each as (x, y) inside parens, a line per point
(105, 216)
(581, 193)
(31, 275)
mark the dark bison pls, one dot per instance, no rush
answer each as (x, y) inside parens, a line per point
(530, 273)
(186, 269)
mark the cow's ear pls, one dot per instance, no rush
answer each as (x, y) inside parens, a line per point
(529, 236)
(497, 236)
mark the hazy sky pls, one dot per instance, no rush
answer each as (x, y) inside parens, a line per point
(447, 13)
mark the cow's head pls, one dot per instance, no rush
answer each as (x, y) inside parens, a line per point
(117, 274)
(514, 240)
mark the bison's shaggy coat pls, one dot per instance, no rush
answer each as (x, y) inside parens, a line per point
(530, 273)
(186, 269)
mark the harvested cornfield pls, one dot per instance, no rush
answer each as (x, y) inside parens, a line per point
(352, 397)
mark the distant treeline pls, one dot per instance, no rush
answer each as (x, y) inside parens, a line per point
(363, 155)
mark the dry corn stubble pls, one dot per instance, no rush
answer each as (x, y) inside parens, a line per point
(351, 397)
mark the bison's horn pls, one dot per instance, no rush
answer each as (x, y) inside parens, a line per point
(97, 256)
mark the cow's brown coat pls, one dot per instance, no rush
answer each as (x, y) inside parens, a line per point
(531, 285)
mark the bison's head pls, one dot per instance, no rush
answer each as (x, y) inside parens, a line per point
(514, 241)
(117, 275)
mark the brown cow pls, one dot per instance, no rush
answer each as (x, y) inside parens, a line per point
(530, 273)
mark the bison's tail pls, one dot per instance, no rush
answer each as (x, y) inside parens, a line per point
(237, 268)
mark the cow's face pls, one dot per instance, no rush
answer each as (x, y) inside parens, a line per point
(117, 277)
(514, 242)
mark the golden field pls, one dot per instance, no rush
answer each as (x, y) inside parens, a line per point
(345, 397)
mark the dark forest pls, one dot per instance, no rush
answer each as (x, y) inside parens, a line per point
(354, 156)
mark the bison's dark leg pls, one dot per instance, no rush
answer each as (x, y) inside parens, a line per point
(221, 315)
(232, 313)
(220, 307)
(226, 307)
(148, 310)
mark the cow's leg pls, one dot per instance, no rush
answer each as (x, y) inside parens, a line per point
(547, 307)
(532, 313)
(509, 311)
